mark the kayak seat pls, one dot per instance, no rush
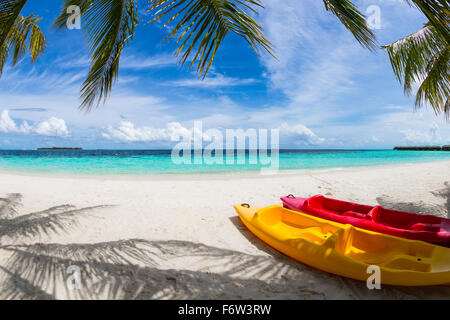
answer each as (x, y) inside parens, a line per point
(426, 227)
(375, 214)
(355, 214)
(316, 202)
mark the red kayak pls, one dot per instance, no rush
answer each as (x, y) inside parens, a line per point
(397, 223)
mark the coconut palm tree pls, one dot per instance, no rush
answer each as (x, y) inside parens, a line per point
(199, 26)
(18, 34)
(422, 58)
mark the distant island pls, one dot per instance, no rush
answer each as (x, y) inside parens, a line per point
(425, 148)
(55, 148)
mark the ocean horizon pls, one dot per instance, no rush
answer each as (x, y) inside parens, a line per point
(159, 161)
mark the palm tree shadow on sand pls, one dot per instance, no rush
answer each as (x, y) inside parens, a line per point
(419, 206)
(143, 269)
(15, 228)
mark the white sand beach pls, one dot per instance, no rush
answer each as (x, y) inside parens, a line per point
(179, 237)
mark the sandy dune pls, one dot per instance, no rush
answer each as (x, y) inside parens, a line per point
(178, 237)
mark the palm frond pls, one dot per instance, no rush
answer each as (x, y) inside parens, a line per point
(423, 57)
(4, 53)
(353, 20)
(26, 35)
(18, 34)
(9, 11)
(109, 26)
(205, 23)
(435, 88)
(438, 14)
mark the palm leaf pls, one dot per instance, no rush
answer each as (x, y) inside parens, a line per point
(109, 26)
(353, 20)
(435, 88)
(4, 53)
(9, 11)
(25, 30)
(18, 34)
(423, 57)
(204, 24)
(437, 12)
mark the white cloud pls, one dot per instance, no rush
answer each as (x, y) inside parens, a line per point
(315, 60)
(6, 123)
(19, 79)
(217, 80)
(73, 62)
(404, 127)
(126, 62)
(426, 136)
(63, 102)
(300, 134)
(396, 108)
(127, 132)
(157, 61)
(375, 139)
(52, 127)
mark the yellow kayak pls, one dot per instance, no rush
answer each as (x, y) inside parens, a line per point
(348, 251)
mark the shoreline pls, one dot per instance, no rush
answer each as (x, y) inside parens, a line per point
(151, 176)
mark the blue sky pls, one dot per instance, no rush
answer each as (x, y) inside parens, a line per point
(323, 91)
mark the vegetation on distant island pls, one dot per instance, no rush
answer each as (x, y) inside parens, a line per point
(423, 148)
(200, 26)
(55, 148)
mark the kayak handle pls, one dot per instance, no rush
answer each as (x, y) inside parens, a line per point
(245, 205)
(291, 196)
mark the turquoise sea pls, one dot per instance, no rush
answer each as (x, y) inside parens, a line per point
(122, 162)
